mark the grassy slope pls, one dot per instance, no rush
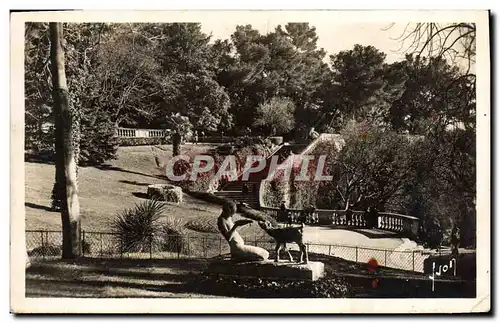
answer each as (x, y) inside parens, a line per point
(105, 192)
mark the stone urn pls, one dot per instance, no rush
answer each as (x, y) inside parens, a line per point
(165, 192)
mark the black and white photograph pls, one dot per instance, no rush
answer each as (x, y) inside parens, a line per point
(330, 156)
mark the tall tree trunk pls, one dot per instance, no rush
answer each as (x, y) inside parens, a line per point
(66, 168)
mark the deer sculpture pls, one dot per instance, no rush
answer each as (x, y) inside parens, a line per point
(284, 235)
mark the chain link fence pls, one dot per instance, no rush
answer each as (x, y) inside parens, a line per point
(47, 244)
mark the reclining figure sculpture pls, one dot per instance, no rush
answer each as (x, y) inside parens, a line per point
(239, 250)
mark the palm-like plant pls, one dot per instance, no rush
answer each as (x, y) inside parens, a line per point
(137, 226)
(181, 127)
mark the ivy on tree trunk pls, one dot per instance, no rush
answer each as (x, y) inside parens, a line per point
(66, 187)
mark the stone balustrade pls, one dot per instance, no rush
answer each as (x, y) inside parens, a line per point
(140, 133)
(393, 222)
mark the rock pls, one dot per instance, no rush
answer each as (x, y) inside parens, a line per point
(165, 192)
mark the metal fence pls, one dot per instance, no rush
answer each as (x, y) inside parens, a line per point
(47, 244)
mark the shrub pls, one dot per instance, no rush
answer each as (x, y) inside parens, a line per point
(98, 142)
(47, 250)
(226, 149)
(329, 287)
(173, 236)
(136, 226)
(431, 233)
(217, 139)
(276, 115)
(141, 141)
(274, 192)
(37, 140)
(205, 223)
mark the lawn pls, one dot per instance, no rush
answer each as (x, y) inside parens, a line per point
(105, 191)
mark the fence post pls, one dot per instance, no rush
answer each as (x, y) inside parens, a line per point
(330, 250)
(151, 246)
(179, 247)
(356, 253)
(204, 248)
(121, 245)
(413, 260)
(100, 245)
(220, 246)
(83, 242)
(385, 257)
(43, 245)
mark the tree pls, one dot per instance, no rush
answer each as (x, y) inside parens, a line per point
(197, 96)
(454, 42)
(66, 177)
(83, 45)
(38, 112)
(433, 97)
(127, 77)
(276, 116)
(362, 87)
(372, 167)
(451, 126)
(283, 63)
(455, 174)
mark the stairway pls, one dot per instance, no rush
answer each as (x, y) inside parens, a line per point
(252, 198)
(234, 190)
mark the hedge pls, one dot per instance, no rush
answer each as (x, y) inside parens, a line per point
(142, 141)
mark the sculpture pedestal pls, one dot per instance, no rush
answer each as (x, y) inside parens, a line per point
(269, 269)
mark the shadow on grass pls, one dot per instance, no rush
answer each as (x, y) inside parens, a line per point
(138, 263)
(140, 195)
(107, 167)
(40, 158)
(39, 207)
(95, 288)
(133, 183)
(91, 277)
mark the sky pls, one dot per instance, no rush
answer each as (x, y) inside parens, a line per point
(332, 37)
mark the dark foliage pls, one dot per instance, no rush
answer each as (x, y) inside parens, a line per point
(140, 141)
(98, 141)
(332, 287)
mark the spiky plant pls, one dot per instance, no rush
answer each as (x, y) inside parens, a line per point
(173, 235)
(136, 227)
